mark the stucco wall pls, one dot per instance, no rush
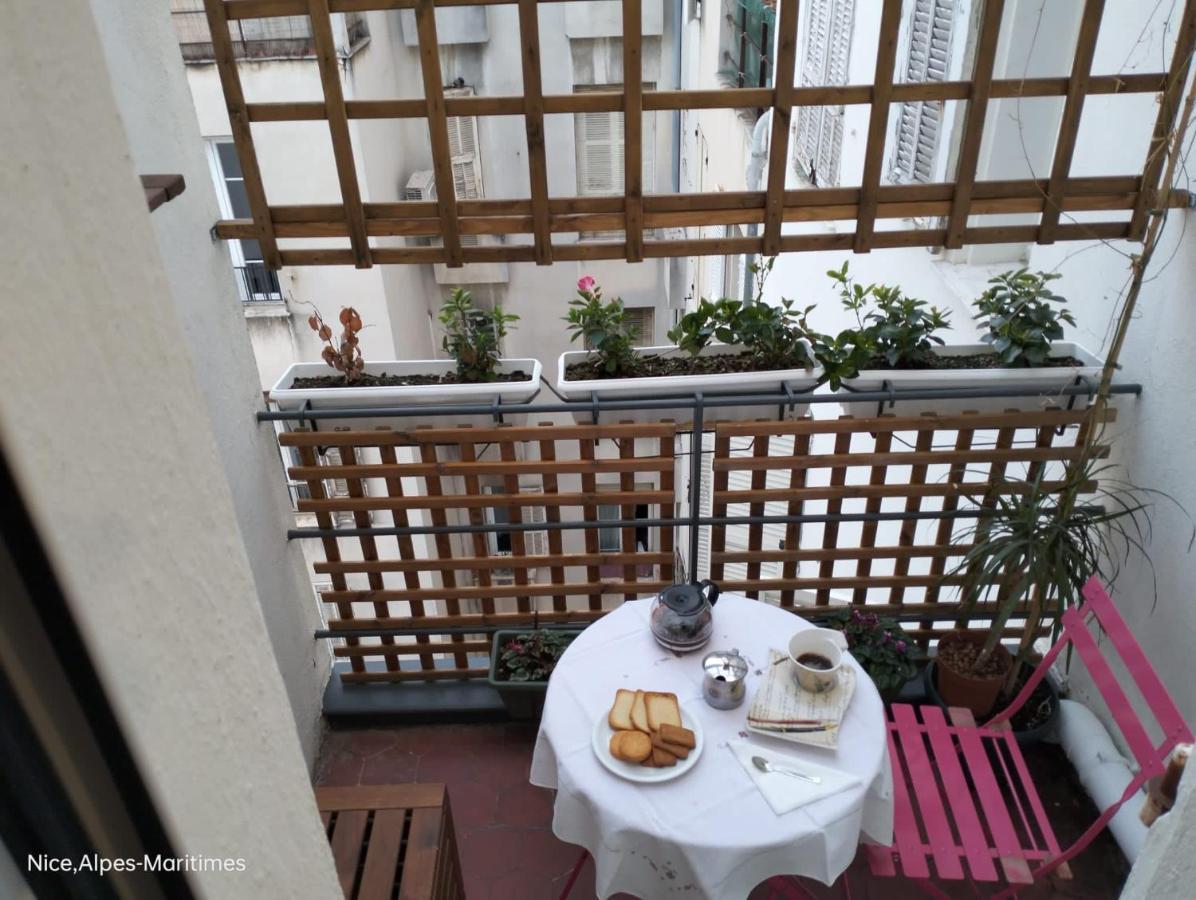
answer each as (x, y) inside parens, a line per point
(163, 137)
(109, 436)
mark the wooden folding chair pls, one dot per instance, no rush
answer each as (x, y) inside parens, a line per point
(969, 787)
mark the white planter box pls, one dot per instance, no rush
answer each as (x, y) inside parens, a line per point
(289, 398)
(1045, 381)
(656, 387)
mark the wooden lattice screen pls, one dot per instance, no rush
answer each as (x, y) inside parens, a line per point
(441, 478)
(468, 581)
(910, 465)
(542, 216)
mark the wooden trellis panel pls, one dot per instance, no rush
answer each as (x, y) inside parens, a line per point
(541, 216)
(439, 478)
(920, 464)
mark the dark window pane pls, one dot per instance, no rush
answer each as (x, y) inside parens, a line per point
(229, 164)
(251, 251)
(239, 200)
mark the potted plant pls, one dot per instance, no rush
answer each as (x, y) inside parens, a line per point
(1029, 560)
(475, 373)
(723, 347)
(879, 644)
(1021, 348)
(520, 665)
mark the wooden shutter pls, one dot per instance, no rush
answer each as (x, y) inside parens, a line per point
(826, 54)
(919, 122)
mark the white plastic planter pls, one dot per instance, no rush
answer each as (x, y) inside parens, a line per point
(1046, 382)
(657, 387)
(289, 398)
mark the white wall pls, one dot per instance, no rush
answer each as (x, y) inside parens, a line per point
(108, 433)
(161, 130)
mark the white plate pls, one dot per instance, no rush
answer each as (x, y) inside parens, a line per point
(645, 774)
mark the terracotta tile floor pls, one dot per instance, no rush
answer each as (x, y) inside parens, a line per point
(504, 825)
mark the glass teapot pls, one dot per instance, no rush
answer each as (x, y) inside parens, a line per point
(682, 616)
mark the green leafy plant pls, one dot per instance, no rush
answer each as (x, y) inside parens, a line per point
(532, 656)
(889, 324)
(904, 328)
(1034, 553)
(879, 644)
(778, 337)
(604, 328)
(472, 336)
(1022, 316)
(710, 321)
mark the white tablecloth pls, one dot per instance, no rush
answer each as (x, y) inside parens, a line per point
(709, 833)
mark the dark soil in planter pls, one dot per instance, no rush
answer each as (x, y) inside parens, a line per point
(970, 361)
(657, 366)
(384, 380)
(961, 656)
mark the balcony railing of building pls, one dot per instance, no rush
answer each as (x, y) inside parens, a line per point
(284, 37)
(257, 284)
(803, 512)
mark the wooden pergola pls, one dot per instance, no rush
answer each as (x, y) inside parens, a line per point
(542, 216)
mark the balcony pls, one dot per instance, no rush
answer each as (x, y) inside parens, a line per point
(276, 676)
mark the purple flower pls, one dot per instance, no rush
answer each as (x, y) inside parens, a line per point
(888, 637)
(901, 646)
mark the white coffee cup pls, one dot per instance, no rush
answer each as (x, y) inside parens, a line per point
(818, 646)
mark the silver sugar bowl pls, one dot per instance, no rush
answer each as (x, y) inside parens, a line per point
(724, 679)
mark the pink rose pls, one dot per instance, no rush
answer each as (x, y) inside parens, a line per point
(585, 284)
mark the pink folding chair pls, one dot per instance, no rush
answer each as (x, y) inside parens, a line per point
(962, 793)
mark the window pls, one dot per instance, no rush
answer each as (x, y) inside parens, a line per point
(254, 280)
(610, 540)
(600, 160)
(747, 42)
(919, 122)
(826, 52)
(535, 543)
(641, 321)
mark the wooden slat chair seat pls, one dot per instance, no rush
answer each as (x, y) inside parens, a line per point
(392, 841)
(964, 803)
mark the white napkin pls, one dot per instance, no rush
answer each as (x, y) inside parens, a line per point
(784, 792)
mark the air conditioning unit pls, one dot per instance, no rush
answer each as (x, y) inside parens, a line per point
(421, 186)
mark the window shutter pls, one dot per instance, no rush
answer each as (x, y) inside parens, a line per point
(466, 158)
(601, 162)
(919, 122)
(642, 320)
(827, 51)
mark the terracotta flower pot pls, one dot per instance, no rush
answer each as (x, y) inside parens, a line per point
(978, 694)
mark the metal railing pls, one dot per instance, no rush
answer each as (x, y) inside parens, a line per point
(257, 284)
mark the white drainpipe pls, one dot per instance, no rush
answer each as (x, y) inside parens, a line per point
(1104, 772)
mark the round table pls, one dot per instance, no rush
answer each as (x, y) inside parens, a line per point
(710, 832)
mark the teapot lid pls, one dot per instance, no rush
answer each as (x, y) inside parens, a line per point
(683, 599)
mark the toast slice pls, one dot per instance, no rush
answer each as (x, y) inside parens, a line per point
(677, 750)
(679, 736)
(639, 713)
(619, 716)
(662, 759)
(662, 710)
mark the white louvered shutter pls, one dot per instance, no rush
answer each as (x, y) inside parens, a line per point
(919, 122)
(466, 158)
(600, 159)
(826, 54)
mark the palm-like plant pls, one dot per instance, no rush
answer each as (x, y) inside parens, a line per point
(1040, 544)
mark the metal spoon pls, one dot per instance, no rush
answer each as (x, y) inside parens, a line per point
(765, 766)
